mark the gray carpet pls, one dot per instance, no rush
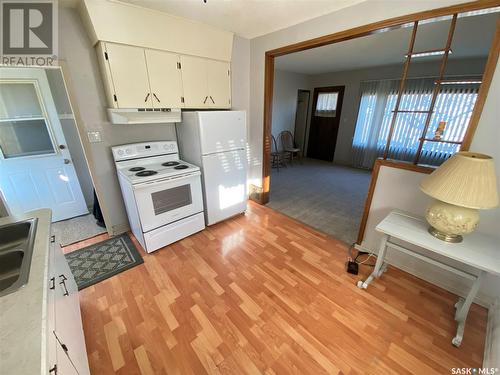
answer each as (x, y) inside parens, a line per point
(76, 229)
(102, 260)
(325, 196)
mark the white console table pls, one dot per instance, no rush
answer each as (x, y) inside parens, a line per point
(477, 250)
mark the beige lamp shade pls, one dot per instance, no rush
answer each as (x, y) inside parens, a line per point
(467, 179)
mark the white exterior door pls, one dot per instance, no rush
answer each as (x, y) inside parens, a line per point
(130, 76)
(165, 79)
(219, 84)
(194, 80)
(36, 170)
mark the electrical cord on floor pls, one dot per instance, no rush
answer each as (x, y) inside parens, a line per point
(360, 253)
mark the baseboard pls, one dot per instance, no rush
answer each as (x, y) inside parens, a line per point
(492, 344)
(481, 299)
(119, 229)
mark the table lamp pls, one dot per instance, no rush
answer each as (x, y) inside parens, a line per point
(462, 185)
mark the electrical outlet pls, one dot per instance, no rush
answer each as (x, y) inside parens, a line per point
(94, 137)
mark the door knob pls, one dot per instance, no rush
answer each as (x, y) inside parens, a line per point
(67, 161)
(62, 147)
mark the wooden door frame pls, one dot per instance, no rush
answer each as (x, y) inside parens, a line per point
(303, 148)
(365, 30)
(316, 91)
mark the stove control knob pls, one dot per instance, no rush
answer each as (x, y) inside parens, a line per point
(120, 152)
(128, 151)
(166, 147)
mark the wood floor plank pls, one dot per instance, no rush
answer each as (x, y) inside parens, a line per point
(261, 293)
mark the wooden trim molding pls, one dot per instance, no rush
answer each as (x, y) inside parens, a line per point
(373, 183)
(360, 32)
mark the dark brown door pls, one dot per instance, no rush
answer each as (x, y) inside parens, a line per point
(325, 122)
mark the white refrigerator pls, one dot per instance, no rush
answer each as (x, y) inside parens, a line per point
(216, 142)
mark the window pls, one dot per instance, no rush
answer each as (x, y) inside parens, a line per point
(448, 124)
(23, 125)
(326, 104)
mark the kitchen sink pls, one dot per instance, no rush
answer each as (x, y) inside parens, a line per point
(16, 247)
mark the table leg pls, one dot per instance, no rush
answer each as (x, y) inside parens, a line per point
(462, 309)
(380, 266)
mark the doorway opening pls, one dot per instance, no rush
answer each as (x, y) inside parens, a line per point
(370, 102)
(42, 161)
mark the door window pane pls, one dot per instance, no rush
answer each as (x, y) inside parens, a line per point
(326, 104)
(24, 138)
(171, 199)
(19, 100)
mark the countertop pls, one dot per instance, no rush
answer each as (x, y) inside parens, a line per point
(23, 314)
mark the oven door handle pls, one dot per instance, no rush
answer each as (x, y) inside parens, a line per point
(166, 179)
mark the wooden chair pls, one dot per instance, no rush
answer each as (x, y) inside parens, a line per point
(277, 156)
(288, 145)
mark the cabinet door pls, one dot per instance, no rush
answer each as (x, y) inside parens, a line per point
(68, 320)
(129, 74)
(219, 84)
(194, 81)
(59, 363)
(165, 79)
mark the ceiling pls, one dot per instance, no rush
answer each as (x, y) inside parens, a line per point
(472, 38)
(247, 18)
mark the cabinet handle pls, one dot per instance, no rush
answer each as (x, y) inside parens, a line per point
(53, 283)
(52, 239)
(146, 98)
(156, 97)
(212, 99)
(205, 101)
(53, 370)
(63, 283)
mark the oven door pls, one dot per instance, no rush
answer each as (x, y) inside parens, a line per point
(161, 202)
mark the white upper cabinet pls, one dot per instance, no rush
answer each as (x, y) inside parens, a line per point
(219, 84)
(194, 81)
(165, 79)
(144, 78)
(129, 76)
(207, 83)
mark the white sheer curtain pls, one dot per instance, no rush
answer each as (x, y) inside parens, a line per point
(326, 104)
(454, 106)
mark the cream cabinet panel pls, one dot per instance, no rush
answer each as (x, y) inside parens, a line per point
(165, 79)
(219, 84)
(129, 76)
(195, 82)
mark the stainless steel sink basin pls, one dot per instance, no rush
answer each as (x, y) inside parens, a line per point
(16, 247)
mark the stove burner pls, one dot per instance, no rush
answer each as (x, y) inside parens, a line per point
(145, 173)
(136, 169)
(170, 163)
(182, 166)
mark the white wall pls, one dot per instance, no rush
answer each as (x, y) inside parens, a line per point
(286, 86)
(358, 15)
(353, 78)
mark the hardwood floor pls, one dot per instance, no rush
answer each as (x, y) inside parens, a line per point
(262, 293)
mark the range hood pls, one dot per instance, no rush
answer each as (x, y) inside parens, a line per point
(144, 115)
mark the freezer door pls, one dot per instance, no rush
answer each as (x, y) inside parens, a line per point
(225, 183)
(222, 131)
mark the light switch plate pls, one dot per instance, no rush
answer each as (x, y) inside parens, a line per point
(94, 137)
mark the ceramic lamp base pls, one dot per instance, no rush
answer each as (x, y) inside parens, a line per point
(449, 222)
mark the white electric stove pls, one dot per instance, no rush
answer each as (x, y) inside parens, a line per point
(162, 194)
